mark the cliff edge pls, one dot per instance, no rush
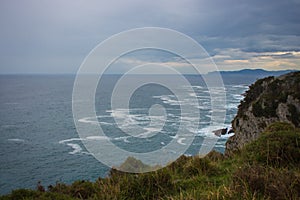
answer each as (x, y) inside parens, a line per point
(268, 100)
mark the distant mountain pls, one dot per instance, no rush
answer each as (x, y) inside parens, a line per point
(258, 72)
(247, 76)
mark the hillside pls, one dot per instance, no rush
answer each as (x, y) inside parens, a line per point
(267, 101)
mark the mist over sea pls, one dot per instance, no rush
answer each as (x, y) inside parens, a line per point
(39, 141)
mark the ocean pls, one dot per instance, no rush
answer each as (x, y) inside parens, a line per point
(39, 140)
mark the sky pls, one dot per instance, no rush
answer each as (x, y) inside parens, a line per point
(39, 36)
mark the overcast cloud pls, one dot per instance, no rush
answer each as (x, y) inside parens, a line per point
(55, 36)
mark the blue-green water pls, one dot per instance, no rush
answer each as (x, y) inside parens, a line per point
(38, 138)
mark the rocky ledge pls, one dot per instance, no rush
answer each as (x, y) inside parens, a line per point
(268, 100)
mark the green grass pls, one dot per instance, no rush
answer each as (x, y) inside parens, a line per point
(268, 168)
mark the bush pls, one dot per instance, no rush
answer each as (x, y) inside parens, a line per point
(82, 189)
(23, 194)
(266, 182)
(276, 147)
(152, 185)
(199, 166)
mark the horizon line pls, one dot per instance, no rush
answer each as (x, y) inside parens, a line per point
(239, 70)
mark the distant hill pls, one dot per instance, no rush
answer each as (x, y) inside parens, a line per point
(247, 76)
(256, 72)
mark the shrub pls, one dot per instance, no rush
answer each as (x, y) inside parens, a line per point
(267, 182)
(198, 166)
(152, 185)
(279, 146)
(82, 189)
(23, 194)
(295, 115)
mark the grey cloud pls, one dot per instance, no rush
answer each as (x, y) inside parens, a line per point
(65, 31)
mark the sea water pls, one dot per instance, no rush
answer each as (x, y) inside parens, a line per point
(38, 137)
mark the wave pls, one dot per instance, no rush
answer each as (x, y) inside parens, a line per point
(207, 131)
(76, 148)
(87, 120)
(69, 140)
(16, 140)
(197, 86)
(192, 94)
(180, 141)
(231, 106)
(97, 138)
(238, 96)
(150, 131)
(124, 138)
(241, 86)
(227, 135)
(168, 99)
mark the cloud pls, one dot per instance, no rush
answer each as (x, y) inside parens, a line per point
(236, 61)
(226, 60)
(55, 36)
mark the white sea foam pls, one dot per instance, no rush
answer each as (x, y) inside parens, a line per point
(180, 141)
(76, 148)
(168, 99)
(208, 116)
(203, 97)
(192, 94)
(119, 113)
(231, 106)
(227, 135)
(197, 86)
(241, 86)
(174, 137)
(88, 120)
(97, 138)
(16, 140)
(149, 132)
(124, 138)
(207, 131)
(219, 145)
(69, 140)
(238, 96)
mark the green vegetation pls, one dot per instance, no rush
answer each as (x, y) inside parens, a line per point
(268, 168)
(266, 94)
(255, 90)
(278, 146)
(295, 116)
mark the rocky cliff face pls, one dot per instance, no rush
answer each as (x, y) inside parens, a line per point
(268, 100)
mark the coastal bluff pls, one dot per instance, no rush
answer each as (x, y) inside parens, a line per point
(268, 100)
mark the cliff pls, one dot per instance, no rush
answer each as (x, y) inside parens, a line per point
(268, 100)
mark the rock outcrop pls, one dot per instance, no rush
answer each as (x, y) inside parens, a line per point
(267, 101)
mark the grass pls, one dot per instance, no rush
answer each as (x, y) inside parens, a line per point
(268, 168)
